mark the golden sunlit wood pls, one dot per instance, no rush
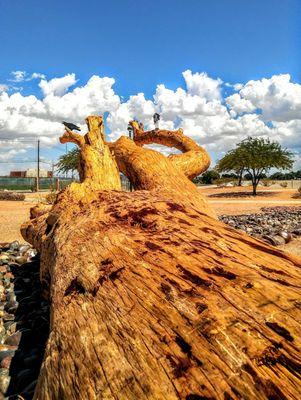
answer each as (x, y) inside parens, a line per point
(152, 297)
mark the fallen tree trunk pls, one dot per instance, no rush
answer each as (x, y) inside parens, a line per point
(154, 298)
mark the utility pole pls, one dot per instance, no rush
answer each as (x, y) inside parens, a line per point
(38, 169)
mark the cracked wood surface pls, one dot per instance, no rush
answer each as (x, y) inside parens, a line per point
(153, 298)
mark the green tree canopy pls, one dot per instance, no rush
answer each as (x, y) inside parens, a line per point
(209, 176)
(69, 161)
(288, 175)
(277, 176)
(256, 156)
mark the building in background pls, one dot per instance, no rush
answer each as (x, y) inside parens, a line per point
(17, 174)
(31, 173)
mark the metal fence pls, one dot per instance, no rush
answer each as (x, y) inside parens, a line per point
(276, 184)
(29, 184)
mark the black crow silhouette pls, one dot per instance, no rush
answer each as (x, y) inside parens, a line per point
(71, 126)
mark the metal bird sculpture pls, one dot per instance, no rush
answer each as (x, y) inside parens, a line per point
(71, 126)
(156, 118)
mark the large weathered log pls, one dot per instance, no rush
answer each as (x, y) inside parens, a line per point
(153, 297)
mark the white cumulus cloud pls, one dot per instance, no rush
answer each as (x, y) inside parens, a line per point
(21, 76)
(18, 76)
(269, 107)
(200, 84)
(239, 105)
(57, 86)
(3, 87)
(277, 97)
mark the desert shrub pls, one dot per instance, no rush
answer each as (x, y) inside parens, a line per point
(266, 182)
(223, 181)
(6, 195)
(283, 184)
(297, 195)
(51, 197)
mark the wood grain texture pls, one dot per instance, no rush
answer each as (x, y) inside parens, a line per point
(153, 297)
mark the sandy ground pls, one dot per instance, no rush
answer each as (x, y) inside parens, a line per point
(14, 213)
(233, 205)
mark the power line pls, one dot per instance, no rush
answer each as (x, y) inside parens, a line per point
(35, 140)
(17, 161)
(49, 147)
(24, 162)
(18, 139)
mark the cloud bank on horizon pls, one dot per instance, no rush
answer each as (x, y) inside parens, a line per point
(269, 107)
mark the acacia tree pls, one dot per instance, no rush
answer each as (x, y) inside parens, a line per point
(256, 156)
(232, 162)
(69, 161)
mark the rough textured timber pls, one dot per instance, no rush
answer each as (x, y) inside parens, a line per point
(153, 297)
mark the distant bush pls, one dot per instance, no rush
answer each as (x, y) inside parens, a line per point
(286, 176)
(209, 177)
(223, 181)
(283, 184)
(266, 182)
(6, 195)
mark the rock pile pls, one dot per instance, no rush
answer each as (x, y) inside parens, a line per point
(275, 225)
(24, 321)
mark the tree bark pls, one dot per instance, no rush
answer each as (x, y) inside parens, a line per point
(154, 298)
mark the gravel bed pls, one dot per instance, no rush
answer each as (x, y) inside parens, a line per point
(24, 321)
(275, 225)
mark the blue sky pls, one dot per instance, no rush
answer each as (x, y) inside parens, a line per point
(144, 43)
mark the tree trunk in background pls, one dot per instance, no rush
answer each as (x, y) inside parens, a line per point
(240, 176)
(255, 182)
(153, 297)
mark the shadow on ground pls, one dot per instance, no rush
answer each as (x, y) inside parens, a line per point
(32, 330)
(243, 194)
